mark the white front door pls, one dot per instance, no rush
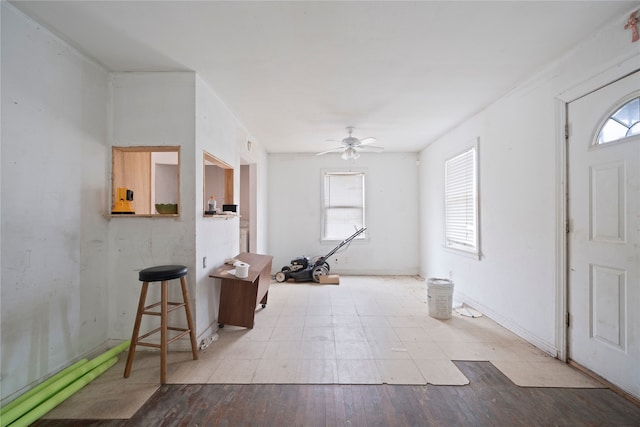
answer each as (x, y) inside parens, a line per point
(603, 241)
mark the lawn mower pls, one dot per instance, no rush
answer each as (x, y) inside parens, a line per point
(302, 269)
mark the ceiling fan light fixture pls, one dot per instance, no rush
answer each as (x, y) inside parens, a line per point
(350, 154)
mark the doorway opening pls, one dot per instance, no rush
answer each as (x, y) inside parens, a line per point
(248, 206)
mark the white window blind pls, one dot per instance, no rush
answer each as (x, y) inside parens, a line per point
(461, 201)
(343, 205)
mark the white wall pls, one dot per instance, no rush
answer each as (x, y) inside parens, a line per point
(151, 109)
(165, 179)
(174, 109)
(219, 133)
(54, 235)
(258, 162)
(245, 192)
(295, 196)
(165, 174)
(69, 272)
(521, 185)
(214, 185)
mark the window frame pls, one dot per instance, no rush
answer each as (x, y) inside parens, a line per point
(227, 197)
(145, 180)
(324, 237)
(469, 246)
(635, 96)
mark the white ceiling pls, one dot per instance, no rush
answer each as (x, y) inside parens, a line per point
(297, 73)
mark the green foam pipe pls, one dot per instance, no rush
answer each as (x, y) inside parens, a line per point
(42, 385)
(64, 394)
(108, 354)
(51, 389)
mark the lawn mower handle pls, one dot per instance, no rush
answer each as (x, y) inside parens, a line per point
(322, 259)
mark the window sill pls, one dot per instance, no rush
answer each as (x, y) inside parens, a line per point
(142, 216)
(462, 252)
(224, 216)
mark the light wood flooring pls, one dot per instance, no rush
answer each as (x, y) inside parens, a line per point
(364, 352)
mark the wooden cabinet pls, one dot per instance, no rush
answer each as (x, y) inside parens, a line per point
(240, 297)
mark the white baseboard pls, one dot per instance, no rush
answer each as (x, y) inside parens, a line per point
(523, 333)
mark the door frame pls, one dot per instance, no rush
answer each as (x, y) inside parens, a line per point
(562, 132)
(562, 224)
(252, 183)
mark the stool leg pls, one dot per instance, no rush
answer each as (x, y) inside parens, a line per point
(136, 330)
(163, 332)
(187, 308)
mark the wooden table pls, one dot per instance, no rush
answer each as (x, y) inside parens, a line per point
(239, 297)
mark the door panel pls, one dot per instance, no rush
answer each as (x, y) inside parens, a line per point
(608, 304)
(607, 199)
(603, 242)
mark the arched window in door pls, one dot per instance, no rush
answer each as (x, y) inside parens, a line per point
(623, 123)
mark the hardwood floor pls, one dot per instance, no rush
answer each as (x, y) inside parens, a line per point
(490, 399)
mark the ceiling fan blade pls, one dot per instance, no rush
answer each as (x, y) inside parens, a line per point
(333, 150)
(367, 140)
(370, 148)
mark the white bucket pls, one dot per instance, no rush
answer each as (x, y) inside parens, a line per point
(440, 297)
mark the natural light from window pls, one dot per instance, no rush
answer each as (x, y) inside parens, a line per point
(624, 123)
(343, 205)
(461, 201)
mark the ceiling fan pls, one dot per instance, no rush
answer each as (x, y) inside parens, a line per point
(351, 146)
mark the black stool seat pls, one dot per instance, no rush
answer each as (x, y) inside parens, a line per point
(162, 272)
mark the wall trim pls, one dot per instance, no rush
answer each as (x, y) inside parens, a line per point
(508, 324)
(604, 78)
(562, 219)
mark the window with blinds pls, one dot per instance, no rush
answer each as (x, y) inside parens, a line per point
(343, 205)
(461, 201)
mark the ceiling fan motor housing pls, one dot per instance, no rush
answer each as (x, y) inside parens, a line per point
(350, 140)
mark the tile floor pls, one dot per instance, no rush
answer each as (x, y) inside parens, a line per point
(366, 330)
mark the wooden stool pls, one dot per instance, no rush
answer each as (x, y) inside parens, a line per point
(162, 274)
